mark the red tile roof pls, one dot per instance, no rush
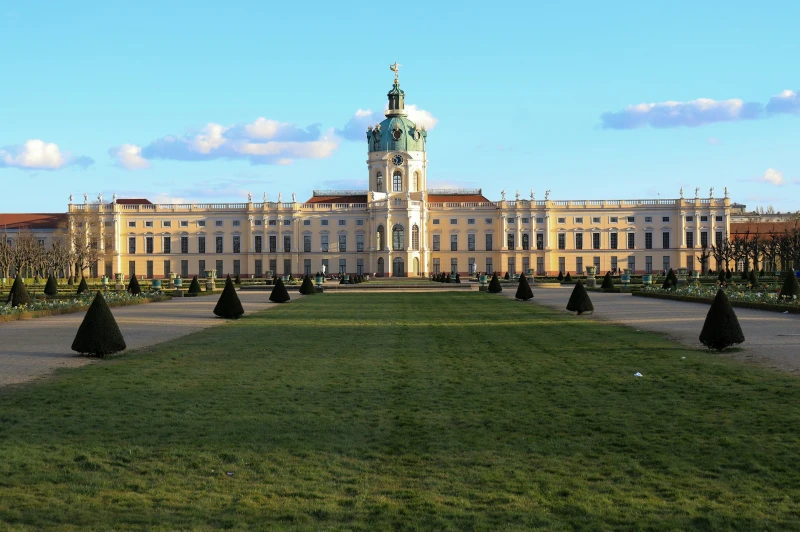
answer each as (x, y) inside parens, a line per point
(457, 198)
(355, 199)
(762, 228)
(31, 220)
(133, 201)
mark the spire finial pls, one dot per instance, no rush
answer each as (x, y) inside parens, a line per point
(395, 67)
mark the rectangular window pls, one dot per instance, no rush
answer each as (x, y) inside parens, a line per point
(540, 266)
(690, 239)
(185, 245)
(613, 240)
(562, 220)
(307, 267)
(259, 222)
(342, 243)
(149, 270)
(131, 245)
(632, 263)
(306, 243)
(595, 220)
(648, 264)
(510, 220)
(526, 220)
(131, 223)
(184, 268)
(540, 241)
(201, 223)
(342, 222)
(689, 219)
(273, 267)
(596, 264)
(562, 264)
(718, 238)
(323, 243)
(287, 243)
(718, 218)
(487, 220)
(470, 221)
(273, 246)
(237, 267)
(595, 241)
(664, 219)
(287, 221)
(665, 239)
(510, 241)
(167, 268)
(259, 273)
(540, 220)
(613, 263)
(703, 218)
(562, 241)
(259, 244)
(488, 242)
(453, 221)
(648, 241)
(579, 265)
(648, 219)
(360, 222)
(453, 265)
(359, 242)
(512, 268)
(167, 245)
(579, 241)
(342, 266)
(184, 223)
(704, 239)
(666, 263)
(435, 221)
(613, 220)
(453, 242)
(148, 223)
(323, 222)
(148, 245)
(201, 245)
(526, 241)
(166, 223)
(236, 224)
(218, 247)
(287, 267)
(218, 223)
(578, 220)
(359, 266)
(237, 244)
(632, 240)
(201, 267)
(631, 220)
(489, 267)
(471, 242)
(325, 267)
(272, 222)
(471, 263)
(437, 267)
(306, 222)
(436, 243)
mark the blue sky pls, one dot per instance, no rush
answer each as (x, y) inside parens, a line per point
(201, 101)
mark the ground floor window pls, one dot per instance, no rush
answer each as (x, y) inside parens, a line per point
(131, 269)
(690, 263)
(237, 267)
(360, 266)
(307, 266)
(273, 267)
(613, 263)
(632, 263)
(220, 269)
(648, 264)
(342, 266)
(437, 267)
(540, 266)
(579, 265)
(471, 262)
(597, 265)
(562, 265)
(149, 269)
(489, 267)
(167, 267)
(325, 268)
(184, 268)
(109, 270)
(666, 263)
(287, 267)
(201, 267)
(259, 268)
(526, 265)
(512, 267)
(454, 265)
(381, 270)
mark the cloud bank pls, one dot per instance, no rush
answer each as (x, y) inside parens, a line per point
(699, 112)
(36, 154)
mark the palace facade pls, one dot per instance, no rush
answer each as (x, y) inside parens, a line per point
(399, 227)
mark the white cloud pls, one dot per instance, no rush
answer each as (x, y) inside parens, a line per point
(673, 114)
(773, 176)
(787, 101)
(356, 127)
(128, 156)
(40, 155)
(420, 117)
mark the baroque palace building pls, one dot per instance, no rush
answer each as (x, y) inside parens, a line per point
(397, 227)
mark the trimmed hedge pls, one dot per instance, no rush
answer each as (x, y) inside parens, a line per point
(735, 303)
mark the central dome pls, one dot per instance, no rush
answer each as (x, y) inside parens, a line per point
(396, 132)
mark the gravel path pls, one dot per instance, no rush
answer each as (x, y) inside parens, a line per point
(33, 348)
(771, 339)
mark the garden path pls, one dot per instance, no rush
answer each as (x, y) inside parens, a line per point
(771, 338)
(34, 348)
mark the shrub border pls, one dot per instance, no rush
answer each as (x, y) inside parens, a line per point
(735, 303)
(13, 317)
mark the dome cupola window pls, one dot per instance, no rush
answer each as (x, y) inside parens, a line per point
(397, 181)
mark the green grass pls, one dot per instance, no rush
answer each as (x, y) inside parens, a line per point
(432, 411)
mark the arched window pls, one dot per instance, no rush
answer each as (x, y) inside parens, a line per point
(398, 237)
(397, 181)
(381, 237)
(415, 237)
(379, 180)
(380, 267)
(416, 181)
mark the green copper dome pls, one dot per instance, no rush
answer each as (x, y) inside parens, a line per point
(396, 132)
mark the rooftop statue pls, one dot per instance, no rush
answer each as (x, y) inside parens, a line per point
(395, 67)
(503, 194)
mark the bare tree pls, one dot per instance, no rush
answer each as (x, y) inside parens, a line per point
(5, 256)
(705, 253)
(84, 229)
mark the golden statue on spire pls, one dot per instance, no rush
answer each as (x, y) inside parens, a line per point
(395, 67)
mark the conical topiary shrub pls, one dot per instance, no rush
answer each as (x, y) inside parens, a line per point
(670, 281)
(51, 287)
(279, 294)
(524, 291)
(728, 274)
(789, 290)
(133, 286)
(238, 280)
(567, 278)
(721, 276)
(507, 276)
(560, 276)
(18, 295)
(608, 283)
(82, 287)
(98, 334)
(721, 328)
(229, 305)
(494, 285)
(194, 287)
(579, 300)
(752, 278)
(307, 287)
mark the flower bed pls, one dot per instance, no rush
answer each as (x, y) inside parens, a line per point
(41, 307)
(764, 297)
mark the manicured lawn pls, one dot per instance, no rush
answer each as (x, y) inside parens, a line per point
(405, 411)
